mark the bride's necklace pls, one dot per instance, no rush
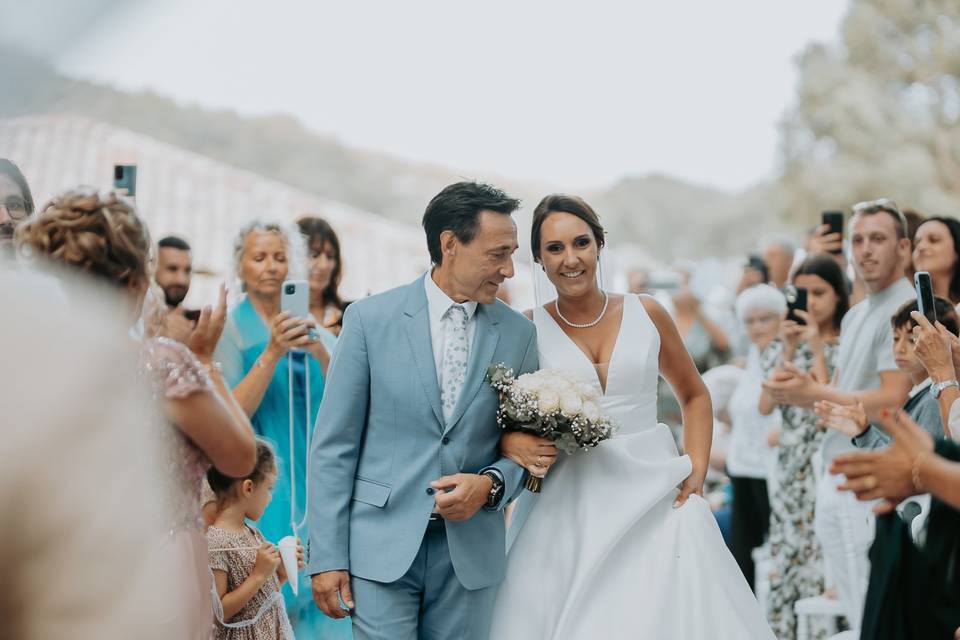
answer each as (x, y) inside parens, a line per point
(586, 325)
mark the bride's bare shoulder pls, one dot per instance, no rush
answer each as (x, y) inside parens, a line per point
(660, 316)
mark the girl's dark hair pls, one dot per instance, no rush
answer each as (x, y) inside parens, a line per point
(12, 171)
(457, 208)
(266, 462)
(953, 226)
(560, 203)
(318, 233)
(825, 267)
(946, 315)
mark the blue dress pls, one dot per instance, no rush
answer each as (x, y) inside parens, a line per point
(244, 338)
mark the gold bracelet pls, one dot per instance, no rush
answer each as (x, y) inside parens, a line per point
(915, 473)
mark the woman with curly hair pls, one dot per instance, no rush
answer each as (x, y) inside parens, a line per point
(200, 424)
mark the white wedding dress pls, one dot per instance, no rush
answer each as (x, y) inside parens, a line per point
(601, 552)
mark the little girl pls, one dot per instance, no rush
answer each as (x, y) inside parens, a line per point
(247, 570)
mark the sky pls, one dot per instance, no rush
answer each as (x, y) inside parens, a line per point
(577, 94)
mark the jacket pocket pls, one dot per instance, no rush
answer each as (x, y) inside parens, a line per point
(370, 492)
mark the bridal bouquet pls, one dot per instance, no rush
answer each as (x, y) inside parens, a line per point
(552, 405)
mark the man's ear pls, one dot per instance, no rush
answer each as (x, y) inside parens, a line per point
(448, 243)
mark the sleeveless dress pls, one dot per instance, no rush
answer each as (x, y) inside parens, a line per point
(601, 552)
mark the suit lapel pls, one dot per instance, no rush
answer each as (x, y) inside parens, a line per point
(481, 354)
(417, 323)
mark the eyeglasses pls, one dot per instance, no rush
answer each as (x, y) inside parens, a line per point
(764, 319)
(16, 207)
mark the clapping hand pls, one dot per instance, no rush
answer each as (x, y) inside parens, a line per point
(791, 385)
(850, 420)
(886, 473)
(793, 333)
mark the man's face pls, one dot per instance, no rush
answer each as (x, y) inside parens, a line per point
(877, 253)
(174, 267)
(478, 269)
(12, 207)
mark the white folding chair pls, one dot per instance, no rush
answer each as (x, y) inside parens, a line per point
(817, 606)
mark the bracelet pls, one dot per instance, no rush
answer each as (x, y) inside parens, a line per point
(915, 473)
(213, 367)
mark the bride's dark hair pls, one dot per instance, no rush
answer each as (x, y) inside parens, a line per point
(560, 203)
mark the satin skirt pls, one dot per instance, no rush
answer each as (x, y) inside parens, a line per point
(602, 553)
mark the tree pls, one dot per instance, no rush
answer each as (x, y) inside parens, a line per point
(877, 113)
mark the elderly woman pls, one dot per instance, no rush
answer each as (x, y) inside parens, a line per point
(749, 459)
(275, 363)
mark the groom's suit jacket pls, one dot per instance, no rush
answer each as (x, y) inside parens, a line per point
(381, 439)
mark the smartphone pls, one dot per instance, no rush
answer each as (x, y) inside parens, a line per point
(295, 298)
(756, 262)
(796, 301)
(125, 177)
(834, 220)
(924, 287)
(192, 315)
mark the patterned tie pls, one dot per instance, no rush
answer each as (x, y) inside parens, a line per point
(455, 353)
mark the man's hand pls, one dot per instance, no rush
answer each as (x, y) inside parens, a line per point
(329, 587)
(790, 385)
(887, 473)
(461, 495)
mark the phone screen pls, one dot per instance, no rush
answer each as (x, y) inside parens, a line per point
(924, 287)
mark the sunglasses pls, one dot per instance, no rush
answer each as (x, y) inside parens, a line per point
(881, 204)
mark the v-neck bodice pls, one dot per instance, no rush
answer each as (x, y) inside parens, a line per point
(632, 373)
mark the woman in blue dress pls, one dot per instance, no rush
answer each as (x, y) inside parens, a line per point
(268, 358)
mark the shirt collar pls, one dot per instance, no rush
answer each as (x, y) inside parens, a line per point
(438, 302)
(920, 387)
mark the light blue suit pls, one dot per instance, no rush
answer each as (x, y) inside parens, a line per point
(380, 440)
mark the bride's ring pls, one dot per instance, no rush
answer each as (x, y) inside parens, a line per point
(539, 461)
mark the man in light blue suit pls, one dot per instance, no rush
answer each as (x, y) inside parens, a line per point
(407, 487)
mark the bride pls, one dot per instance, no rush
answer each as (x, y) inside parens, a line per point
(612, 548)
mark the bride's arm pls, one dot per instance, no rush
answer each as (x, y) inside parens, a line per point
(678, 369)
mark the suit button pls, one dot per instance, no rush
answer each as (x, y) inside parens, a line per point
(429, 491)
(445, 440)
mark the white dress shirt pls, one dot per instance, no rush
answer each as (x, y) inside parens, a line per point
(437, 304)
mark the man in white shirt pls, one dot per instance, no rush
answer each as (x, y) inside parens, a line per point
(867, 373)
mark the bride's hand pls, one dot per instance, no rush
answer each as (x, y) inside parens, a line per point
(692, 485)
(533, 453)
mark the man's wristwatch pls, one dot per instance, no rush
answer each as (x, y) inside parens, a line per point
(937, 388)
(496, 489)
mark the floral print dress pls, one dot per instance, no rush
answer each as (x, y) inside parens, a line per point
(796, 559)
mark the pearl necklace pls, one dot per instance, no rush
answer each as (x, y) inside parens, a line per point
(587, 325)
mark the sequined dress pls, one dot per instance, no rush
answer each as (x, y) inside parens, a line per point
(173, 372)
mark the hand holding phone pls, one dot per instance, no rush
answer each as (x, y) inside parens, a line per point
(295, 300)
(925, 304)
(830, 235)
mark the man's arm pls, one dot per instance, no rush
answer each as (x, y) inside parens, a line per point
(336, 445)
(512, 473)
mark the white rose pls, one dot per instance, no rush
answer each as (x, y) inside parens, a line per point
(527, 383)
(570, 404)
(548, 401)
(590, 411)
